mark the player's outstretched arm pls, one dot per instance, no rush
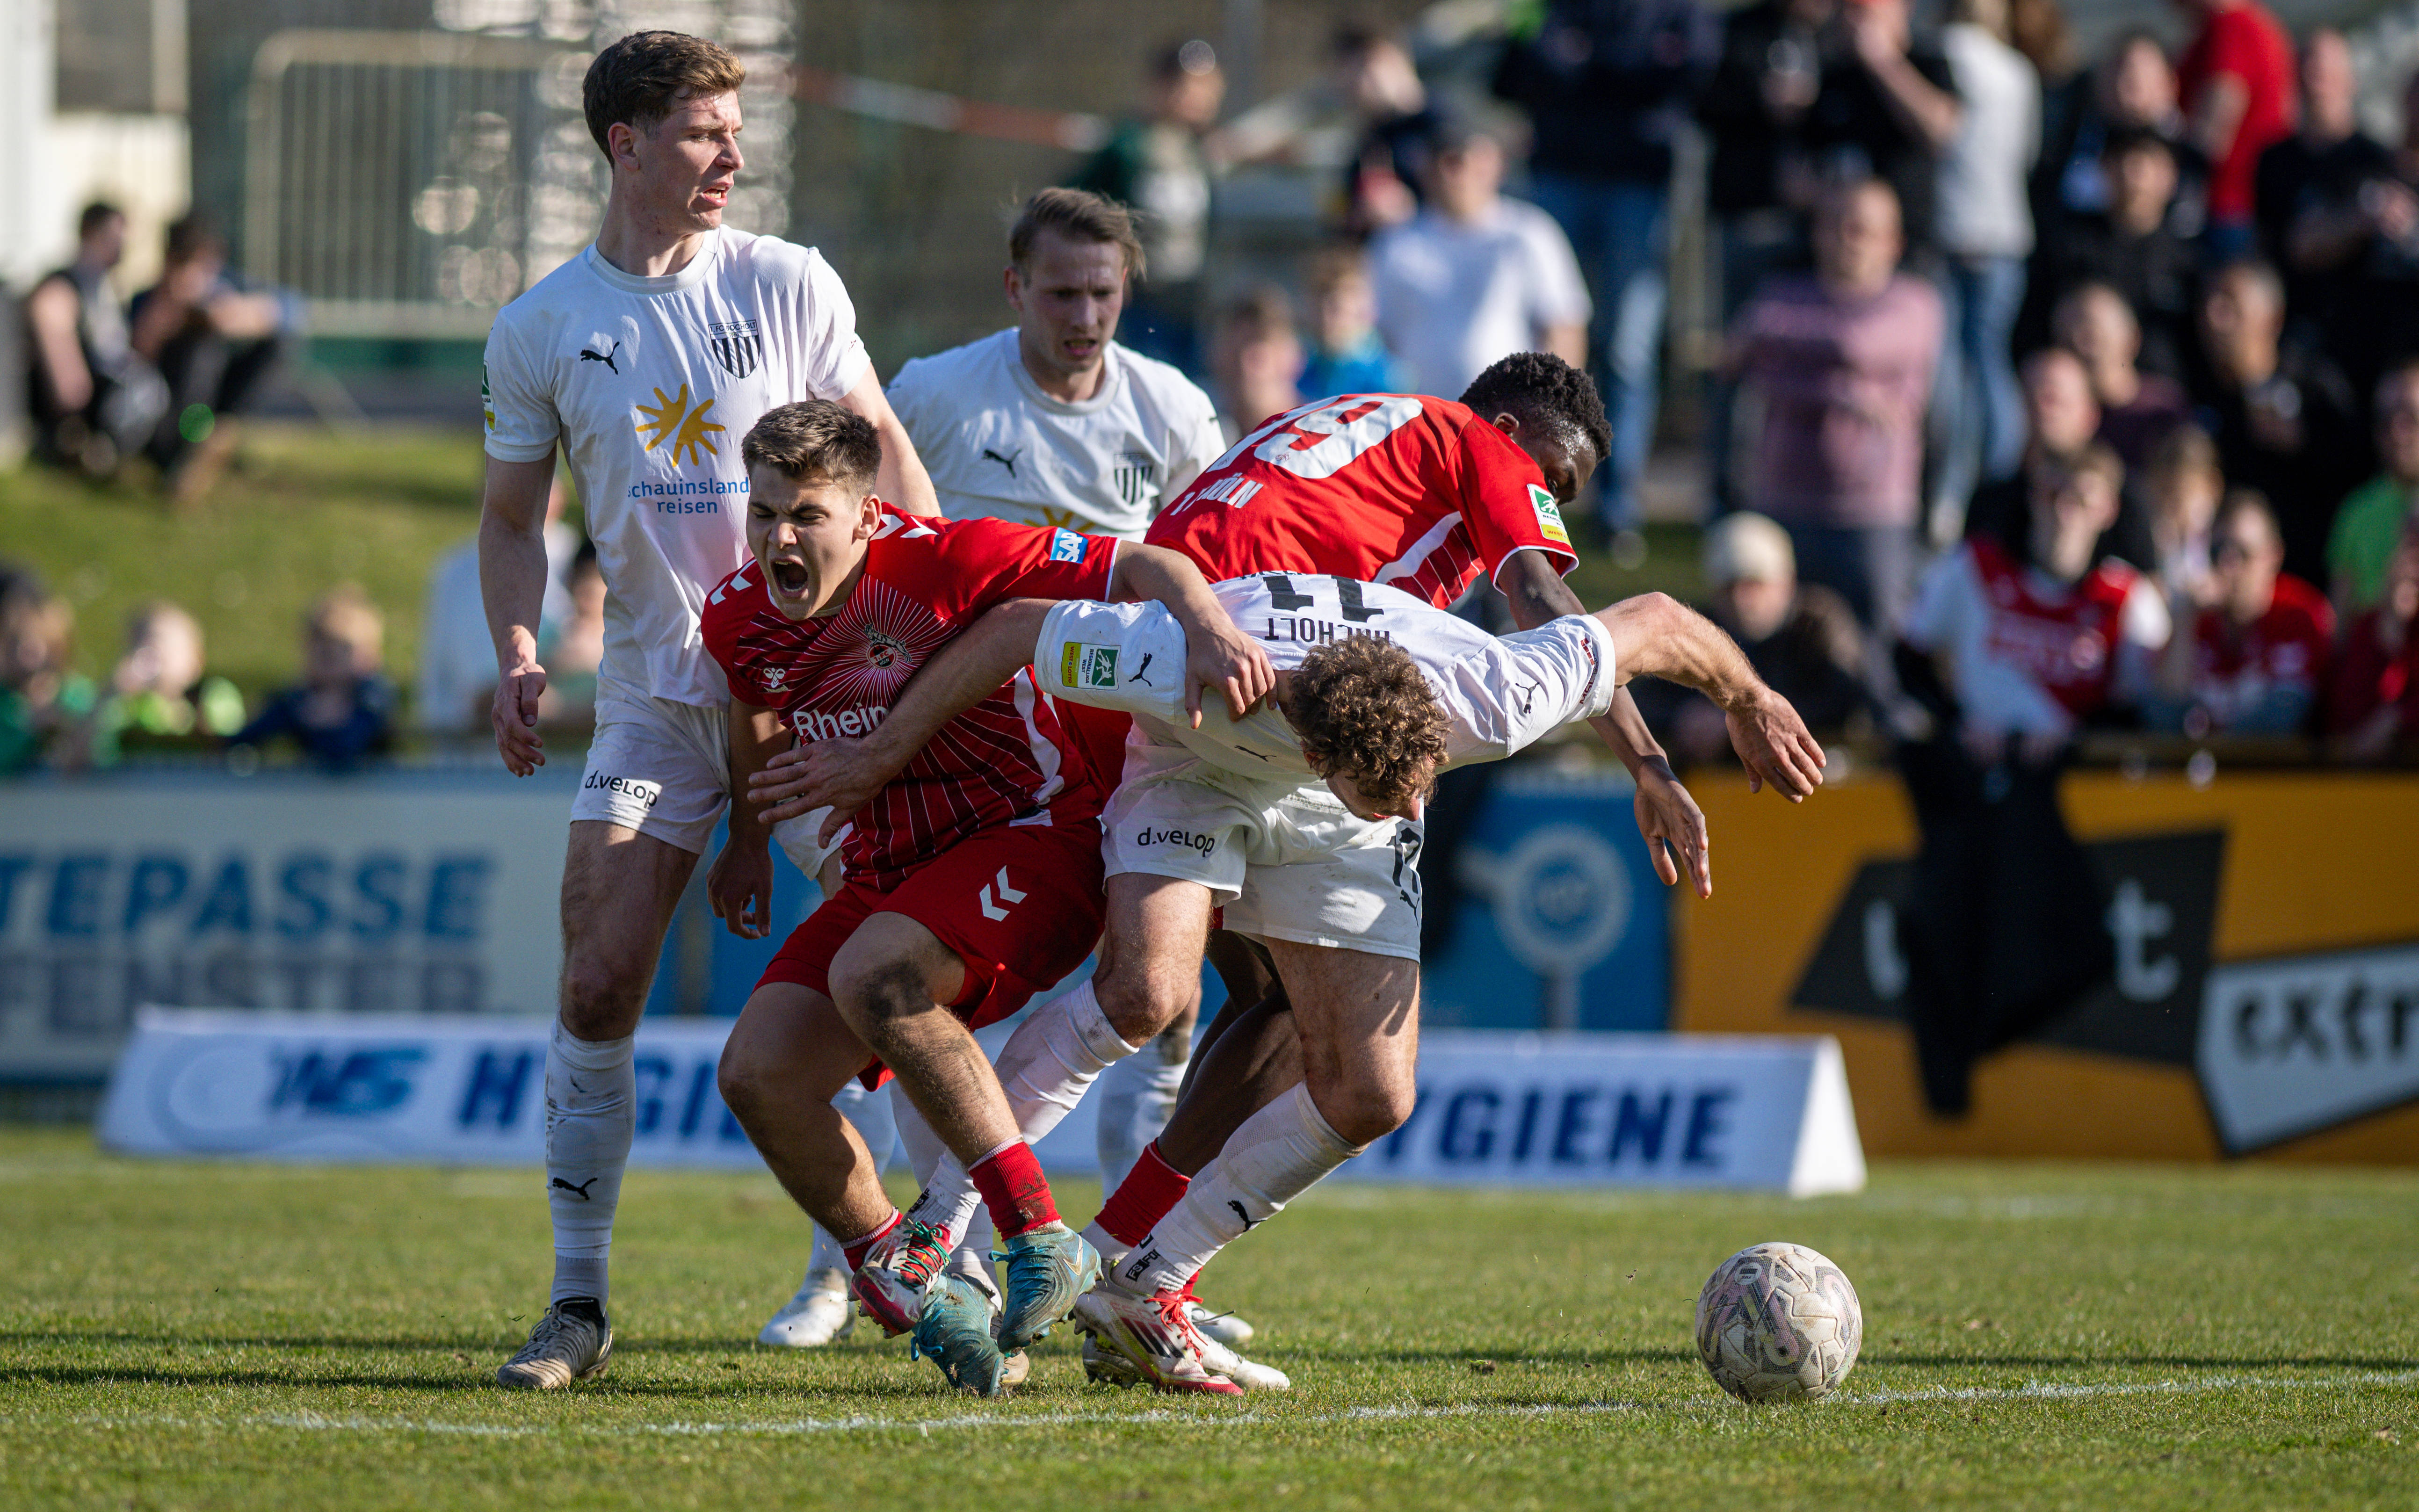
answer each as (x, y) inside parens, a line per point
(1216, 653)
(846, 773)
(740, 884)
(901, 478)
(1667, 816)
(511, 584)
(1655, 635)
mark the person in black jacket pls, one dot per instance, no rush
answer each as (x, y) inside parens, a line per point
(1608, 85)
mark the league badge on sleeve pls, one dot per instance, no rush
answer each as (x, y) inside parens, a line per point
(1549, 516)
(1066, 545)
(1088, 666)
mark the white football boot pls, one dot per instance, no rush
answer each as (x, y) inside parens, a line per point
(1146, 1339)
(821, 1313)
(572, 1342)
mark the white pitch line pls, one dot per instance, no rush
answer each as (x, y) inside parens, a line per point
(2037, 1391)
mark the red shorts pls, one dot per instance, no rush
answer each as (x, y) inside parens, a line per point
(1021, 906)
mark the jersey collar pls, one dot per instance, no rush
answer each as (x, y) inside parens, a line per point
(699, 268)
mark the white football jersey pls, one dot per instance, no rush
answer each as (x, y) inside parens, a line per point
(999, 447)
(649, 384)
(1499, 693)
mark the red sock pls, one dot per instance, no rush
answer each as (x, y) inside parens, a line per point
(1150, 1193)
(1015, 1189)
(854, 1249)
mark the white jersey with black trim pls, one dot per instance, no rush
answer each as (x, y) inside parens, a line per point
(999, 448)
(1499, 693)
(649, 384)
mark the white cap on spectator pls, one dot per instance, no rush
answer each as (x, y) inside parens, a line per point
(1748, 547)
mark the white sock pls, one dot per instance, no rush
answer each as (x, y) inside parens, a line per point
(870, 1113)
(1136, 1098)
(1045, 1068)
(1279, 1153)
(971, 1241)
(1109, 1247)
(590, 1113)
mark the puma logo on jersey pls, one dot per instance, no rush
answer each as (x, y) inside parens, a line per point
(1529, 698)
(1142, 668)
(1009, 461)
(606, 357)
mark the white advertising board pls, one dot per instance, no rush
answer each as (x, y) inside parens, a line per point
(1495, 1109)
(2301, 1043)
(415, 893)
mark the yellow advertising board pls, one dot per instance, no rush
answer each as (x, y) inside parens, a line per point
(2266, 997)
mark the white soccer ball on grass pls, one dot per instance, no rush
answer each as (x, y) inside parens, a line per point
(1779, 1323)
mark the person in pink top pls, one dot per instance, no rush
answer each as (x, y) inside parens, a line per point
(2242, 96)
(1843, 362)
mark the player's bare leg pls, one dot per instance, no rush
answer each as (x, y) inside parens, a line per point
(618, 889)
(1357, 1018)
(888, 981)
(786, 1059)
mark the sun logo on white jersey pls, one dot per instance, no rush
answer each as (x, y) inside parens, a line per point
(687, 429)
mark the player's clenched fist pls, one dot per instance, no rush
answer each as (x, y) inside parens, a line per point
(1217, 655)
(514, 714)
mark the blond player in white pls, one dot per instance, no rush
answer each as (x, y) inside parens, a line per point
(644, 360)
(1303, 821)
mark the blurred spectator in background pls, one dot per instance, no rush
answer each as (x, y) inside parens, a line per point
(2283, 418)
(2183, 488)
(215, 343)
(43, 705)
(2236, 83)
(1842, 363)
(2369, 528)
(1476, 276)
(1757, 179)
(2138, 409)
(2010, 653)
(1985, 233)
(342, 711)
(573, 648)
(2373, 706)
(2254, 660)
(457, 657)
(2060, 420)
(1886, 108)
(1346, 354)
(1802, 639)
(95, 400)
(1160, 166)
(2133, 89)
(1255, 357)
(2309, 200)
(2133, 248)
(2038, 29)
(1608, 85)
(1386, 177)
(159, 694)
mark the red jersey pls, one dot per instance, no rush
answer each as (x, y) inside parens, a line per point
(2369, 677)
(1008, 760)
(2066, 643)
(1413, 492)
(2248, 45)
(2288, 647)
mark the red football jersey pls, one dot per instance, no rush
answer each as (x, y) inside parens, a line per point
(1413, 492)
(2287, 647)
(1009, 759)
(2066, 643)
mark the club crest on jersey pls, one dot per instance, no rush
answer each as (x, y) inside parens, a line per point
(1549, 516)
(739, 345)
(1088, 666)
(1134, 477)
(1066, 545)
(881, 652)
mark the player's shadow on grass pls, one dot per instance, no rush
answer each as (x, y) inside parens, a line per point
(919, 1386)
(1510, 1356)
(470, 1343)
(2165, 1362)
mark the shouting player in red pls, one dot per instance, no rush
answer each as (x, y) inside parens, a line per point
(972, 878)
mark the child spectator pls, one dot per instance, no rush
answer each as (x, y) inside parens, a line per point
(2138, 409)
(344, 710)
(159, 694)
(2255, 658)
(1347, 355)
(1255, 357)
(2374, 703)
(2184, 486)
(2369, 527)
(44, 706)
(576, 648)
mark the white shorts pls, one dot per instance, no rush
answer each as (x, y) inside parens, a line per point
(1288, 862)
(657, 766)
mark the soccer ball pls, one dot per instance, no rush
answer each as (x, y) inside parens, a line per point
(1779, 1323)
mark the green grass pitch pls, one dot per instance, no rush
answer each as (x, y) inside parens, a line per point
(203, 1335)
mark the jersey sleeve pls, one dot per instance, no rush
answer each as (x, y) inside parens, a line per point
(1558, 673)
(522, 420)
(1505, 503)
(985, 560)
(2143, 625)
(720, 625)
(1943, 600)
(834, 359)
